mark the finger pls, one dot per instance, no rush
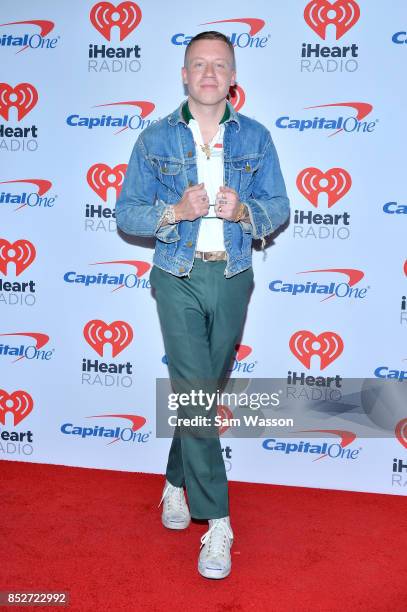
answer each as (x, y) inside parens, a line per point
(225, 189)
(201, 193)
(195, 187)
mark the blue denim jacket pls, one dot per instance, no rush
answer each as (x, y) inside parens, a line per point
(163, 165)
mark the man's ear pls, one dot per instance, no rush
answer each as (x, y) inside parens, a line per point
(233, 79)
(184, 75)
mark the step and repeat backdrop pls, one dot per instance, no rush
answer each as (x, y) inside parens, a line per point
(80, 343)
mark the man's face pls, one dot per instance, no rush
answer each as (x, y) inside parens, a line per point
(209, 71)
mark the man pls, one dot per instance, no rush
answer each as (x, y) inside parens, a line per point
(203, 181)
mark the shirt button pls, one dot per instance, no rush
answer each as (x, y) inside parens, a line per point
(181, 270)
(189, 243)
(189, 154)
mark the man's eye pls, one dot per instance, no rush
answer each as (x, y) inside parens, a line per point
(220, 65)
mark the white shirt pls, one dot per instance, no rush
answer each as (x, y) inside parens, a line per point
(210, 172)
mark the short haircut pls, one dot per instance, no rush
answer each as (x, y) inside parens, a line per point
(211, 35)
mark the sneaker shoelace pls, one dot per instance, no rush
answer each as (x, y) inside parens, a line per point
(216, 538)
(174, 498)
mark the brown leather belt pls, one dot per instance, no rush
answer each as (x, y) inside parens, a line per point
(211, 255)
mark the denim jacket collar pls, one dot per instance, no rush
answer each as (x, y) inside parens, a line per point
(176, 116)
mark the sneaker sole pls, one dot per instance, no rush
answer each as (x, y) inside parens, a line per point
(214, 574)
(175, 525)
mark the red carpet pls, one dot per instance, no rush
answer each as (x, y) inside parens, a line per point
(98, 535)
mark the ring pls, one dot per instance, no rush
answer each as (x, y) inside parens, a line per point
(220, 208)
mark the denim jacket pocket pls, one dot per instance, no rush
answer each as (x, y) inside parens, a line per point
(167, 170)
(243, 170)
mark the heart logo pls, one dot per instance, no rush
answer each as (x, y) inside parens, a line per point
(98, 333)
(19, 403)
(304, 344)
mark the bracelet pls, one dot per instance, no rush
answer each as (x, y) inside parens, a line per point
(241, 213)
(168, 218)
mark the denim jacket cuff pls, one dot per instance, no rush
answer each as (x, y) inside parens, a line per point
(166, 233)
(261, 225)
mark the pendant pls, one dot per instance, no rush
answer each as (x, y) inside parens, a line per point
(207, 150)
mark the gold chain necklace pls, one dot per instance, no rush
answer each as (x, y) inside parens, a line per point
(206, 149)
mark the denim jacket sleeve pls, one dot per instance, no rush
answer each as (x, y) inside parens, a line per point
(268, 203)
(138, 211)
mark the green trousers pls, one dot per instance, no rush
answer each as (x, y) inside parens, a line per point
(201, 319)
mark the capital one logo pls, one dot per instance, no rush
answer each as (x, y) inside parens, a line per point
(401, 432)
(33, 199)
(23, 97)
(236, 97)
(19, 404)
(327, 346)
(254, 24)
(318, 14)
(335, 182)
(126, 16)
(36, 40)
(118, 334)
(21, 253)
(101, 176)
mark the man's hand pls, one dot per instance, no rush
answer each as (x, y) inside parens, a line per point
(193, 204)
(227, 203)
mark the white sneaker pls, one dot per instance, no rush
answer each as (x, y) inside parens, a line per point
(214, 558)
(175, 513)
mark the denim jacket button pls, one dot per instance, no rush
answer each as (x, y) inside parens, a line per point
(189, 154)
(190, 183)
(181, 270)
(189, 243)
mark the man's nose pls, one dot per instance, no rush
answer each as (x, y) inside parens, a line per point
(209, 70)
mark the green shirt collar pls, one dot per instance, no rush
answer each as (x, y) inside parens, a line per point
(187, 115)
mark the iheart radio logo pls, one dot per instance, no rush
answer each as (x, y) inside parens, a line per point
(23, 97)
(236, 97)
(98, 333)
(304, 344)
(242, 351)
(335, 182)
(101, 176)
(405, 267)
(401, 432)
(19, 403)
(318, 14)
(20, 252)
(126, 16)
